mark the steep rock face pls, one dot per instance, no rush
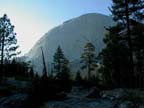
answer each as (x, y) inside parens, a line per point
(72, 35)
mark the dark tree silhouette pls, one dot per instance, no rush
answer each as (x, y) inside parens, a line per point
(115, 56)
(44, 64)
(61, 68)
(8, 41)
(88, 58)
(59, 61)
(119, 56)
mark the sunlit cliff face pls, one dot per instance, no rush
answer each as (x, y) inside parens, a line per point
(33, 18)
(72, 36)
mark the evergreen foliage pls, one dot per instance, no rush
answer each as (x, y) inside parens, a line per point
(124, 44)
(59, 61)
(15, 68)
(61, 68)
(88, 59)
(8, 41)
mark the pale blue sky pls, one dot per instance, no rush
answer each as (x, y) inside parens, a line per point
(33, 18)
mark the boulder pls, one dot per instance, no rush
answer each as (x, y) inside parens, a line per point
(94, 93)
(14, 101)
(114, 94)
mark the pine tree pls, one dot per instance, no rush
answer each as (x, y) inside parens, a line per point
(115, 56)
(119, 57)
(123, 12)
(60, 62)
(88, 58)
(138, 36)
(8, 41)
(61, 65)
(62, 70)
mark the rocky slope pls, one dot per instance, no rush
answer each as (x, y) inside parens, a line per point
(117, 98)
(72, 35)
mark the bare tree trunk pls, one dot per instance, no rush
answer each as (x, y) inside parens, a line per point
(44, 64)
(129, 41)
(2, 53)
(89, 69)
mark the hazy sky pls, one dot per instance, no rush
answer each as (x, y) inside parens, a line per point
(33, 18)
